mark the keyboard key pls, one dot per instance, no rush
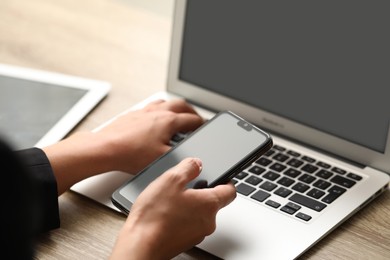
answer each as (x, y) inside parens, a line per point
(244, 189)
(241, 175)
(253, 180)
(292, 173)
(315, 193)
(337, 189)
(283, 192)
(343, 181)
(307, 202)
(288, 210)
(285, 181)
(269, 153)
(309, 168)
(256, 170)
(324, 174)
(338, 170)
(307, 178)
(277, 167)
(293, 153)
(333, 193)
(291, 208)
(271, 175)
(303, 216)
(263, 161)
(268, 186)
(280, 157)
(323, 165)
(321, 184)
(308, 159)
(295, 162)
(354, 176)
(278, 147)
(177, 138)
(300, 187)
(273, 204)
(260, 195)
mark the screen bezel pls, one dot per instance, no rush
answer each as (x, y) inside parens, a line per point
(276, 124)
(96, 91)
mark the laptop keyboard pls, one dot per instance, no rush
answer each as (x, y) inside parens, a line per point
(291, 182)
(302, 180)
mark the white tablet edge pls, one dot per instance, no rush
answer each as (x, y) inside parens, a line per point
(97, 90)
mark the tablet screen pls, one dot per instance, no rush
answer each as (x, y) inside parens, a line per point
(29, 109)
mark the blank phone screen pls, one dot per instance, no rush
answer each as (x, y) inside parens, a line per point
(220, 144)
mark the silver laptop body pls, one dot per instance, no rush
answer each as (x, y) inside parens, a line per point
(222, 58)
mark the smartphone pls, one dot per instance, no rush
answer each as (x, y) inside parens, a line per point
(226, 144)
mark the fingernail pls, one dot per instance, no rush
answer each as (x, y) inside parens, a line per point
(199, 163)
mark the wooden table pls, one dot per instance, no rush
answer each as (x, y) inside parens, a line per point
(114, 41)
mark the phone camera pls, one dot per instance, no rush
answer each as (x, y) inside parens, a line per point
(245, 125)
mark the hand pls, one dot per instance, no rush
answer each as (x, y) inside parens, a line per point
(139, 137)
(128, 144)
(168, 219)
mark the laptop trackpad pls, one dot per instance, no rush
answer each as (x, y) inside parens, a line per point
(235, 239)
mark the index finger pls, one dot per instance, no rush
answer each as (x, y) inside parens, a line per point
(178, 106)
(185, 122)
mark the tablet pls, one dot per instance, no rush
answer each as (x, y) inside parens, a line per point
(38, 108)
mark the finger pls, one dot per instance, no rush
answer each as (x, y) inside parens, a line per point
(154, 105)
(225, 194)
(184, 172)
(179, 106)
(157, 101)
(186, 123)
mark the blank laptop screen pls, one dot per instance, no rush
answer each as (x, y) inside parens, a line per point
(324, 64)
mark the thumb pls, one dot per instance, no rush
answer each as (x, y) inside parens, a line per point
(225, 194)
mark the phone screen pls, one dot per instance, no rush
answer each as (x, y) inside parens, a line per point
(224, 143)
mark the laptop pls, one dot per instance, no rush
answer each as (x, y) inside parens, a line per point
(313, 75)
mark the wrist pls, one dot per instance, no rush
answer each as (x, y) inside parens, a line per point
(133, 243)
(76, 158)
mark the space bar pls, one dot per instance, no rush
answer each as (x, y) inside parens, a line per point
(307, 202)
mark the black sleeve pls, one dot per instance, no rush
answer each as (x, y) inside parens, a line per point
(29, 200)
(45, 184)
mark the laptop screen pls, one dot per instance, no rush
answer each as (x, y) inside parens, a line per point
(324, 64)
